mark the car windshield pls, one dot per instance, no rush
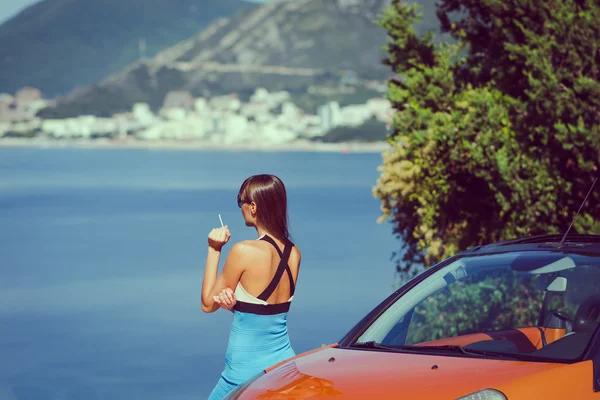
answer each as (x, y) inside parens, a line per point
(527, 305)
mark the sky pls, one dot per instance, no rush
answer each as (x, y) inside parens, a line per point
(9, 8)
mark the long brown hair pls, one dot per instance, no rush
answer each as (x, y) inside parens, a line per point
(268, 192)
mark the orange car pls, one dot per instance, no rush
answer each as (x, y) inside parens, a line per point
(511, 320)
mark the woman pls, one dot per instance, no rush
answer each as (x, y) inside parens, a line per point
(263, 273)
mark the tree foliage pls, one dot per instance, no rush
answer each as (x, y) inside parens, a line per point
(496, 302)
(496, 135)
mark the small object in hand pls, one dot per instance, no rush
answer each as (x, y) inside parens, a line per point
(221, 221)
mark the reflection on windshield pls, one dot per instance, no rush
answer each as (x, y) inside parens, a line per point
(294, 384)
(539, 304)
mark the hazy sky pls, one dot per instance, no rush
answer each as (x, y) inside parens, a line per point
(8, 8)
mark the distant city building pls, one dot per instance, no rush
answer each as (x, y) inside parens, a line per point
(27, 95)
(142, 113)
(201, 105)
(179, 99)
(381, 109)
(355, 114)
(236, 130)
(187, 129)
(330, 115)
(174, 114)
(7, 105)
(225, 103)
(6, 98)
(257, 111)
(289, 111)
(268, 118)
(23, 106)
(260, 95)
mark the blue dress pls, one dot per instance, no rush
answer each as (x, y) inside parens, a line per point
(259, 336)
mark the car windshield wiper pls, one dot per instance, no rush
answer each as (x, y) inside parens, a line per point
(459, 349)
(373, 345)
(434, 349)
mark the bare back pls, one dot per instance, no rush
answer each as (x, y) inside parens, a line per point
(265, 262)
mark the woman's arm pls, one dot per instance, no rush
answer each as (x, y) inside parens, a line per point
(213, 284)
(210, 278)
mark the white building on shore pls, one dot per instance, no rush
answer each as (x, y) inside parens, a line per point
(268, 118)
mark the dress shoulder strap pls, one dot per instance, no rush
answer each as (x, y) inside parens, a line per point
(269, 239)
(283, 266)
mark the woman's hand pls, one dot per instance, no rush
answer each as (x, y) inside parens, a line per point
(218, 237)
(225, 299)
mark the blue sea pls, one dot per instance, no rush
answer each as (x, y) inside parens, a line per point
(102, 256)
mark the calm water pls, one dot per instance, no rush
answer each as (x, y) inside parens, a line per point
(103, 253)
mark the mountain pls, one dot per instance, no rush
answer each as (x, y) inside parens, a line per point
(284, 45)
(57, 45)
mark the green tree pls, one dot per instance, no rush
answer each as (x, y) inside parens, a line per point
(497, 135)
(483, 304)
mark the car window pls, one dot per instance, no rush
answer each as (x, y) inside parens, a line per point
(521, 302)
(583, 283)
(481, 302)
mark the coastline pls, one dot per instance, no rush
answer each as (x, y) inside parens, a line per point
(191, 145)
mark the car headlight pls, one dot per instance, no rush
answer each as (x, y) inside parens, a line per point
(235, 393)
(485, 394)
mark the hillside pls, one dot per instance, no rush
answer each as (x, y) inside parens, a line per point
(57, 45)
(284, 45)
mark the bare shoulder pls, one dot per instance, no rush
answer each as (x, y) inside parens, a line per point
(247, 245)
(246, 249)
(296, 255)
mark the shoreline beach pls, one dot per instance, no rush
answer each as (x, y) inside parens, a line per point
(295, 146)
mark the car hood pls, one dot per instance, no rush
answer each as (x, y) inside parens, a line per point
(360, 374)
